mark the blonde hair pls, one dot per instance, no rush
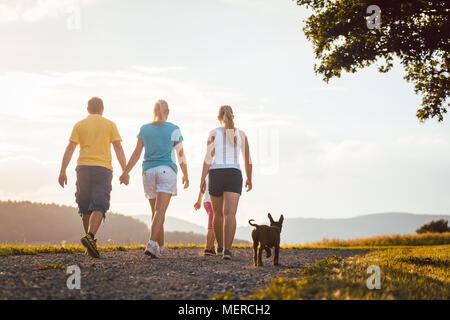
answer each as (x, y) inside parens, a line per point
(226, 116)
(160, 111)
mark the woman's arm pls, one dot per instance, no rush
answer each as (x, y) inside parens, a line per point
(209, 159)
(247, 161)
(182, 162)
(132, 162)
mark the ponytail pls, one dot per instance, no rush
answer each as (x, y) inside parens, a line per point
(160, 111)
(227, 117)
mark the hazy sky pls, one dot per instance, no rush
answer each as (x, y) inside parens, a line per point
(346, 148)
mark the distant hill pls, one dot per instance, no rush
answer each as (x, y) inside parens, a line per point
(302, 230)
(36, 223)
(50, 223)
(173, 224)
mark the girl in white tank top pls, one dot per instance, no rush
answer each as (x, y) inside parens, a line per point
(225, 177)
(226, 155)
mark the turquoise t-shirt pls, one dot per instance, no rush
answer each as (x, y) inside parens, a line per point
(159, 142)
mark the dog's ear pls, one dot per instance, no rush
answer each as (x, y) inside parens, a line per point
(281, 219)
(270, 218)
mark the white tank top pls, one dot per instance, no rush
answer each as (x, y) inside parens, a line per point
(226, 155)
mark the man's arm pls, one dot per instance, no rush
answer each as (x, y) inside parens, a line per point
(125, 177)
(62, 180)
(120, 154)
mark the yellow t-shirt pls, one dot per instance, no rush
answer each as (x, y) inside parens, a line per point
(94, 134)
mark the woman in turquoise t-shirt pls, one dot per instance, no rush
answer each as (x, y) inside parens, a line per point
(162, 142)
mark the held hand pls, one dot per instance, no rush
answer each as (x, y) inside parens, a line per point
(185, 181)
(197, 205)
(125, 179)
(248, 185)
(62, 179)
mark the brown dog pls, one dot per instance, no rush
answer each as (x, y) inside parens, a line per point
(266, 237)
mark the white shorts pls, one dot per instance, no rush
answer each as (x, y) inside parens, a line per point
(159, 179)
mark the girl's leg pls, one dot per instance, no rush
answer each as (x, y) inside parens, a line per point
(217, 204)
(210, 239)
(161, 205)
(230, 205)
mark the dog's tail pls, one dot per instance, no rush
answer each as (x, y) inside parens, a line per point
(252, 224)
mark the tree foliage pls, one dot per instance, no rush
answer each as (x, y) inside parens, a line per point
(414, 31)
(438, 226)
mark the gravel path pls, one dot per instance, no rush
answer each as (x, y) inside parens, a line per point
(181, 274)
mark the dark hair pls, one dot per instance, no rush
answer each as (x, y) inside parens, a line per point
(95, 105)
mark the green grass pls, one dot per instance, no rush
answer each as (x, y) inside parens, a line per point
(13, 250)
(56, 265)
(424, 239)
(406, 273)
(382, 242)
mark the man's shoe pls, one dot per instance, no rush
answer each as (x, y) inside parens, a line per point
(227, 255)
(91, 245)
(152, 251)
(219, 251)
(210, 252)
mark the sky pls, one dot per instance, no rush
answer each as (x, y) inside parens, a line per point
(342, 149)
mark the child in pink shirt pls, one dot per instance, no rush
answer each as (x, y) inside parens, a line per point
(210, 237)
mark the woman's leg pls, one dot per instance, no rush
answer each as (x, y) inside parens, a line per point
(161, 205)
(230, 205)
(161, 234)
(217, 204)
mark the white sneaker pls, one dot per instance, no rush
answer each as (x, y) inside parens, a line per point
(152, 251)
(162, 250)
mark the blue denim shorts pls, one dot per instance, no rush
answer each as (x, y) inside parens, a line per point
(93, 189)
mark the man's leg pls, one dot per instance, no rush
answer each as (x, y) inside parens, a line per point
(217, 204)
(85, 218)
(230, 204)
(95, 221)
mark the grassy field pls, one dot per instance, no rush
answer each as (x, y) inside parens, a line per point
(382, 242)
(406, 273)
(424, 239)
(22, 249)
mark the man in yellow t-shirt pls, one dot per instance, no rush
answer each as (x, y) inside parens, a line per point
(94, 134)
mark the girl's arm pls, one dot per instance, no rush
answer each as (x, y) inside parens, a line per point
(198, 204)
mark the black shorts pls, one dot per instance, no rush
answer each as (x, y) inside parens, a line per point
(224, 180)
(93, 189)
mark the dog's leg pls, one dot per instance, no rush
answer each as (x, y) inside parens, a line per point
(268, 252)
(276, 255)
(255, 253)
(260, 254)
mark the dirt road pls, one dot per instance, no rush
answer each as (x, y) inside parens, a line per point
(181, 274)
